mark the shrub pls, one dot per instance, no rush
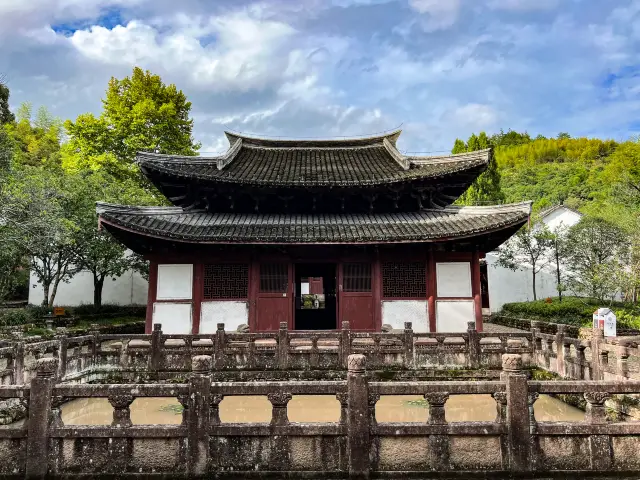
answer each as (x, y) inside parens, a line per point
(18, 316)
(572, 311)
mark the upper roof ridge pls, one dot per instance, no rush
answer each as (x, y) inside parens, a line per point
(392, 137)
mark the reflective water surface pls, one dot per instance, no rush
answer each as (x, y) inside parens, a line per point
(308, 408)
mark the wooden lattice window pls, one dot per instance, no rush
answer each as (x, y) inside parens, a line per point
(404, 280)
(356, 277)
(274, 277)
(226, 280)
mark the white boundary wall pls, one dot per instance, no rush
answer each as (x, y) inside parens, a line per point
(396, 312)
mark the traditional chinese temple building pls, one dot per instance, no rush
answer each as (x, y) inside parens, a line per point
(313, 233)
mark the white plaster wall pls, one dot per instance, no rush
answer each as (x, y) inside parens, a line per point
(175, 318)
(561, 216)
(454, 279)
(231, 313)
(396, 312)
(175, 282)
(454, 315)
(129, 289)
(507, 286)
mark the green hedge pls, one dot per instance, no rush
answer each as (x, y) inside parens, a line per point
(105, 314)
(572, 311)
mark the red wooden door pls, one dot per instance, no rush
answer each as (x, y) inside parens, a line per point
(356, 295)
(274, 298)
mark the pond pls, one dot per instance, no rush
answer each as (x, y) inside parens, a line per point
(308, 408)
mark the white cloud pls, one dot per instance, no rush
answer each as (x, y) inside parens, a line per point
(438, 14)
(248, 53)
(473, 116)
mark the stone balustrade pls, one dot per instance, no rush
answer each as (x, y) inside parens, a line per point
(357, 446)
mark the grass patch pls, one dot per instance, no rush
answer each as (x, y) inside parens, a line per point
(176, 409)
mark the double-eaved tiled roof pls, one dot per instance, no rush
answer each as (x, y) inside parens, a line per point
(176, 224)
(351, 162)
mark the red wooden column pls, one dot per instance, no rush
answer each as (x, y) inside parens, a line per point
(431, 291)
(198, 290)
(377, 292)
(476, 288)
(151, 295)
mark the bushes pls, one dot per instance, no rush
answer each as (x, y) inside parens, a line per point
(17, 316)
(108, 310)
(572, 311)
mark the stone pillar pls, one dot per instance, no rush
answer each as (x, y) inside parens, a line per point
(62, 356)
(438, 444)
(39, 415)
(156, 348)
(518, 421)
(473, 359)
(18, 363)
(219, 344)
(283, 346)
(345, 344)
(560, 333)
(279, 401)
(95, 344)
(408, 345)
(580, 359)
(501, 417)
(536, 341)
(623, 364)
(124, 354)
(120, 448)
(198, 415)
(358, 441)
(597, 339)
(599, 445)
(314, 356)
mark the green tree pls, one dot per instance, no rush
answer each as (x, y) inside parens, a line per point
(597, 256)
(140, 113)
(529, 248)
(558, 250)
(96, 250)
(486, 188)
(36, 141)
(5, 114)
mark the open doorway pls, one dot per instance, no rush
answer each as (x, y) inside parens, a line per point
(315, 299)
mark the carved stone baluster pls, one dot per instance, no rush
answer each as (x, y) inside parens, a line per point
(279, 403)
(595, 411)
(373, 399)
(121, 410)
(531, 400)
(343, 398)
(214, 414)
(183, 399)
(436, 403)
(501, 406)
(314, 357)
(56, 415)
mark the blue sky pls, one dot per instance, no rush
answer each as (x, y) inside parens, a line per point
(322, 68)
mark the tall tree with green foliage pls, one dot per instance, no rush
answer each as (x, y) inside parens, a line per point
(96, 250)
(597, 256)
(528, 249)
(486, 188)
(140, 113)
(5, 114)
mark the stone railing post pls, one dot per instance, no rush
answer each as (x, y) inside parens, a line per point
(198, 416)
(518, 419)
(39, 415)
(597, 339)
(408, 345)
(358, 441)
(219, 345)
(280, 452)
(121, 410)
(62, 355)
(156, 348)
(343, 398)
(95, 344)
(536, 346)
(560, 334)
(438, 444)
(283, 346)
(622, 369)
(473, 354)
(124, 354)
(599, 445)
(345, 344)
(18, 363)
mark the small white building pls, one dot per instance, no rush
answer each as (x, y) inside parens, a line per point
(507, 286)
